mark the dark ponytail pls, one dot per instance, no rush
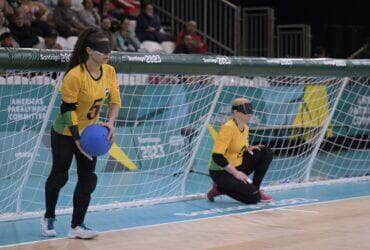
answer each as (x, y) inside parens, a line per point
(79, 54)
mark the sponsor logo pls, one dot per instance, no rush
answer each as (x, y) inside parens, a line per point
(153, 150)
(221, 60)
(65, 57)
(146, 59)
(62, 57)
(281, 61)
(340, 63)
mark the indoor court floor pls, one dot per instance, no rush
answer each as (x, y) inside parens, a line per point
(325, 216)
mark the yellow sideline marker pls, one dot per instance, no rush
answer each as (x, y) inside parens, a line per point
(117, 153)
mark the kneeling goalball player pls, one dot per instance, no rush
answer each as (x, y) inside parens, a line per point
(233, 159)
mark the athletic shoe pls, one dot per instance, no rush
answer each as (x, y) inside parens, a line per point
(265, 197)
(47, 227)
(82, 232)
(212, 193)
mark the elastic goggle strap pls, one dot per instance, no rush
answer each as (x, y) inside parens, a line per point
(102, 47)
(245, 108)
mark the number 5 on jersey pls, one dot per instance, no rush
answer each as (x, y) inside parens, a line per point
(94, 110)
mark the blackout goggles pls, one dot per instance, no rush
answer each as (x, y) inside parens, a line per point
(102, 47)
(245, 108)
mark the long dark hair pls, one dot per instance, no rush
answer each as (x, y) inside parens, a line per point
(79, 54)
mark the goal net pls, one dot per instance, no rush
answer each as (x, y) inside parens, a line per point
(318, 126)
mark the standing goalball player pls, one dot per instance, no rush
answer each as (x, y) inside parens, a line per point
(88, 82)
(233, 159)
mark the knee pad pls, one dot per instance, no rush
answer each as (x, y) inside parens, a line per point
(57, 180)
(89, 183)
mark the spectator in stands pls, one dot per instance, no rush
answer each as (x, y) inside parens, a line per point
(89, 15)
(148, 26)
(124, 39)
(131, 8)
(50, 21)
(31, 9)
(189, 42)
(97, 4)
(50, 4)
(6, 8)
(106, 27)
(3, 26)
(108, 9)
(50, 41)
(67, 20)
(77, 5)
(40, 26)
(7, 40)
(23, 34)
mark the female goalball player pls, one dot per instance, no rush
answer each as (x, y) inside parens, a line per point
(233, 159)
(88, 82)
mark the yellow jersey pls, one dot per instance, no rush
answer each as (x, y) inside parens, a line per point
(231, 143)
(89, 94)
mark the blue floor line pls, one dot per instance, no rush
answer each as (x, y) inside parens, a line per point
(22, 231)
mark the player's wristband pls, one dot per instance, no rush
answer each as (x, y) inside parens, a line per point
(74, 131)
(65, 107)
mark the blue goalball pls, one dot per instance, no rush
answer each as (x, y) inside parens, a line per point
(94, 140)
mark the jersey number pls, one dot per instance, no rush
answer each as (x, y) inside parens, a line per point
(94, 110)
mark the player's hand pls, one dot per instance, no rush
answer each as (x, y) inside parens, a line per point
(241, 176)
(255, 147)
(110, 126)
(78, 144)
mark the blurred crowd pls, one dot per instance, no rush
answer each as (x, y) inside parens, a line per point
(131, 26)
